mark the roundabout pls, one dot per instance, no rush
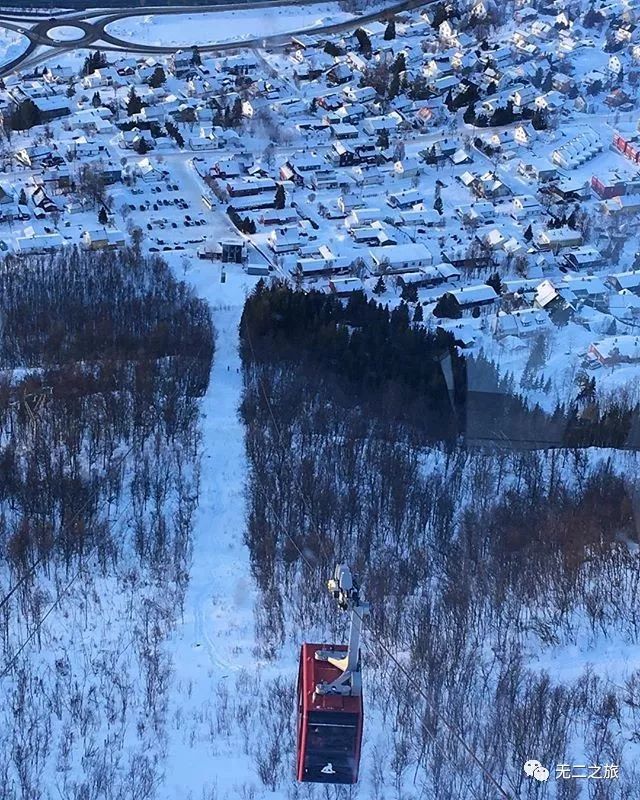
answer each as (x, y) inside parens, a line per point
(103, 30)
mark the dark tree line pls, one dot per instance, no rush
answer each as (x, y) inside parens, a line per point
(378, 360)
(376, 356)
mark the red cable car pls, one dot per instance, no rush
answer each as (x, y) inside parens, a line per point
(330, 713)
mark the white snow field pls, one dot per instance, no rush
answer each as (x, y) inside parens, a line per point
(12, 44)
(210, 28)
(66, 33)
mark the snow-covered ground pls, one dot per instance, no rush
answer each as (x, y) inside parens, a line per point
(66, 33)
(201, 29)
(12, 44)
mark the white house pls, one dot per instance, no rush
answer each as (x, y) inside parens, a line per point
(400, 257)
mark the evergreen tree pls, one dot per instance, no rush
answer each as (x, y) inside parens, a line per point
(495, 282)
(380, 287)
(586, 387)
(400, 64)
(96, 100)
(440, 15)
(390, 32)
(418, 314)
(364, 42)
(102, 216)
(157, 78)
(332, 49)
(409, 293)
(438, 204)
(25, 116)
(22, 199)
(394, 86)
(537, 358)
(236, 111)
(280, 197)
(448, 101)
(469, 115)
(447, 307)
(196, 58)
(540, 119)
(141, 146)
(134, 104)
(528, 234)
(383, 139)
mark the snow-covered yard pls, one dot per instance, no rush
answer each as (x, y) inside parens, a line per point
(200, 29)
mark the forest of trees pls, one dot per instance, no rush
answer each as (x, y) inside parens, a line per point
(104, 357)
(377, 359)
(475, 562)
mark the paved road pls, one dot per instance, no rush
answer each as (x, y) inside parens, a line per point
(96, 36)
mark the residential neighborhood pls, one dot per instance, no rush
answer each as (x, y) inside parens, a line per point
(468, 167)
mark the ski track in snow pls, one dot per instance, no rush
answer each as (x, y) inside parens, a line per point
(220, 561)
(215, 639)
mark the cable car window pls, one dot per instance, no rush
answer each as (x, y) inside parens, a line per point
(332, 739)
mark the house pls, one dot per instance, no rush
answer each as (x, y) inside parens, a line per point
(406, 199)
(613, 350)
(426, 277)
(359, 94)
(246, 187)
(538, 169)
(625, 305)
(400, 258)
(148, 172)
(525, 206)
(626, 204)
(474, 296)
(52, 107)
(39, 244)
(183, 64)
(243, 64)
(463, 255)
(54, 181)
(524, 322)
(489, 185)
(547, 296)
(37, 155)
(583, 258)
(233, 250)
(343, 131)
(625, 281)
(376, 125)
(571, 189)
(102, 239)
(284, 240)
(588, 288)
(344, 287)
(613, 184)
(555, 239)
(339, 74)
(525, 134)
(407, 168)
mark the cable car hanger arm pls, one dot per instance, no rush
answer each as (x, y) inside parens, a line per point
(346, 592)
